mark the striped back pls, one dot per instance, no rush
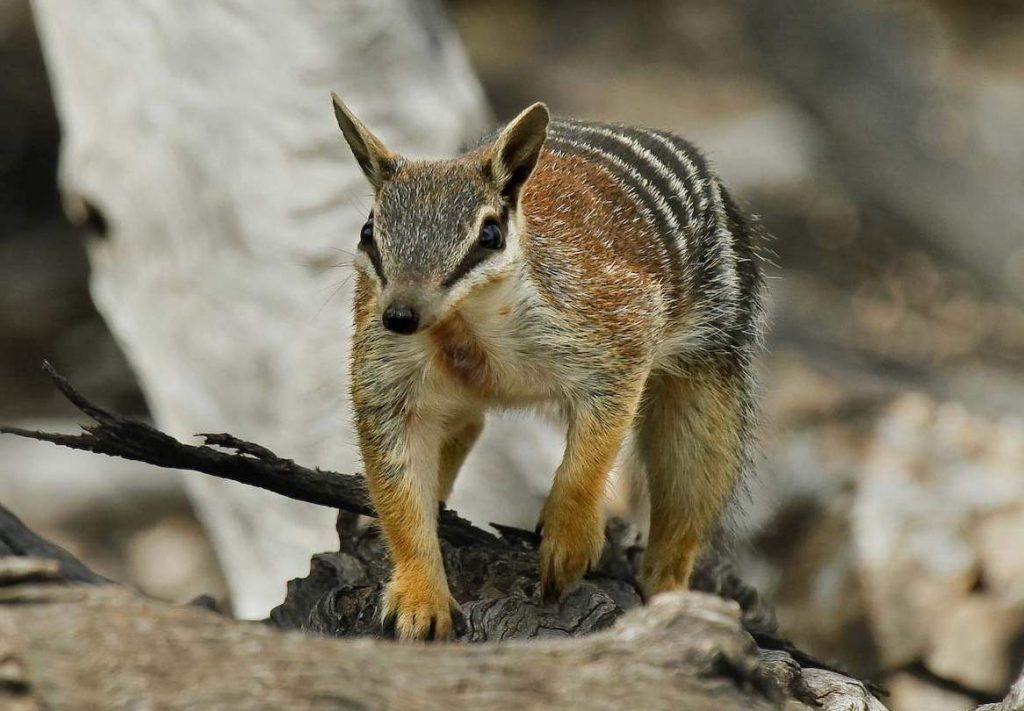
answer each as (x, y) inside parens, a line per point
(666, 175)
(706, 238)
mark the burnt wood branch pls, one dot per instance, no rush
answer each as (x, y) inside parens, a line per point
(248, 463)
(493, 577)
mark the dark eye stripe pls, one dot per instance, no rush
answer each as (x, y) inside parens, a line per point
(476, 254)
(372, 252)
(369, 248)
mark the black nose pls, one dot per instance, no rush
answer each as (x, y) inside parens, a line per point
(401, 319)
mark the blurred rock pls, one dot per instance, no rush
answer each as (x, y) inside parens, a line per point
(1013, 701)
(999, 540)
(932, 470)
(978, 642)
(816, 435)
(166, 559)
(909, 693)
(891, 529)
(818, 598)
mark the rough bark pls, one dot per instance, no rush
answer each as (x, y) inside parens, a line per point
(200, 149)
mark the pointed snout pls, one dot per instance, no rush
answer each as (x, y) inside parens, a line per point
(401, 318)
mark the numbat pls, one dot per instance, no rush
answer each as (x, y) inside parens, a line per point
(597, 270)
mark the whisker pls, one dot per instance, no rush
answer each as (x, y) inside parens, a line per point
(334, 292)
(343, 251)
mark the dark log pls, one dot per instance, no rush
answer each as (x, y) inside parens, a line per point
(16, 539)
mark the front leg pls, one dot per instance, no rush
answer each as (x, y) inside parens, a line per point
(458, 441)
(571, 521)
(416, 601)
(401, 449)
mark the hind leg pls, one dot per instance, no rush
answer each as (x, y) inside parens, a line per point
(690, 439)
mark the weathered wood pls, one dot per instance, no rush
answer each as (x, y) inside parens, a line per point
(104, 647)
(72, 647)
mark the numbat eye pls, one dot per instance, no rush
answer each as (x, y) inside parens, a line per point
(366, 234)
(491, 237)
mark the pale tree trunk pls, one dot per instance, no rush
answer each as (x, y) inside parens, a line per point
(199, 137)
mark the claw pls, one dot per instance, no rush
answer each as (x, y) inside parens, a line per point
(413, 610)
(569, 550)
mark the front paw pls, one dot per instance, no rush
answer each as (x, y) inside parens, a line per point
(418, 609)
(570, 546)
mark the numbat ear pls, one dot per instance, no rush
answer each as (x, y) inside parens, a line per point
(516, 150)
(378, 163)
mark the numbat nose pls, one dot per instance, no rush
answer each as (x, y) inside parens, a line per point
(401, 319)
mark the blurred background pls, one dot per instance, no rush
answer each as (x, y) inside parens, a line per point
(882, 144)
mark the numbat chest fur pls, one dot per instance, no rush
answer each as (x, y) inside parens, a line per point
(598, 270)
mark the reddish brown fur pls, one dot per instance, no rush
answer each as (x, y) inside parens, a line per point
(567, 233)
(460, 356)
(599, 207)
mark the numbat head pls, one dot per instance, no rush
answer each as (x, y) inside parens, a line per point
(440, 228)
